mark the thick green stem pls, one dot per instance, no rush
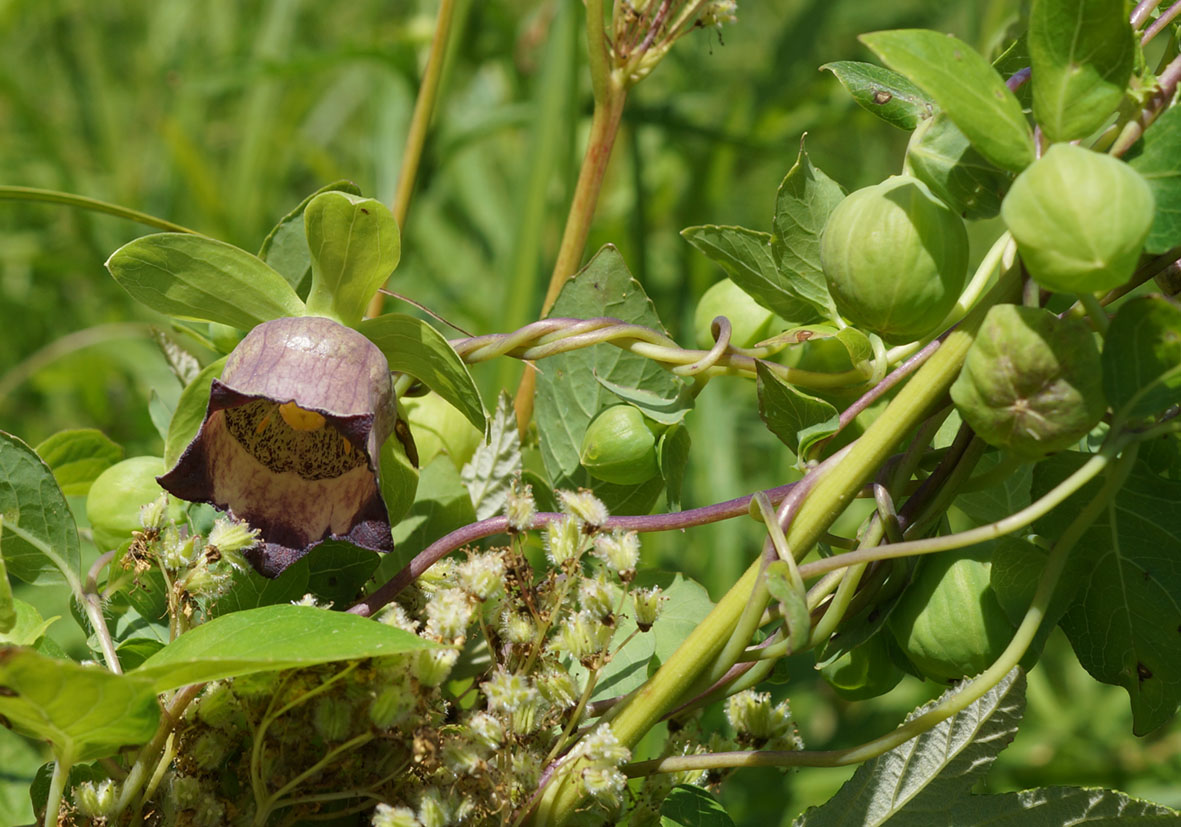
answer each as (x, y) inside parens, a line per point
(57, 786)
(951, 704)
(824, 503)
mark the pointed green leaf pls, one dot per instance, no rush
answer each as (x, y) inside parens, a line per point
(672, 454)
(941, 157)
(76, 457)
(965, 86)
(40, 539)
(268, 639)
(569, 395)
(492, 468)
(688, 806)
(886, 94)
(1081, 53)
(924, 780)
(803, 202)
(745, 256)
(190, 412)
(85, 712)
(398, 479)
(789, 412)
(194, 277)
(653, 406)
(355, 245)
(412, 346)
(286, 246)
(1142, 358)
(28, 627)
(1155, 157)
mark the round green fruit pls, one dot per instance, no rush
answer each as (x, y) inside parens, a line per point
(1079, 218)
(949, 621)
(620, 447)
(438, 427)
(750, 322)
(1031, 383)
(894, 257)
(865, 672)
(115, 497)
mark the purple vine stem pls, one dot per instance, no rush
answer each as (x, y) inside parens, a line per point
(499, 525)
(1142, 11)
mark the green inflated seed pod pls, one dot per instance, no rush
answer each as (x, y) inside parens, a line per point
(620, 447)
(1079, 218)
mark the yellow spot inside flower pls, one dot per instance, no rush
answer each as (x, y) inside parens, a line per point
(262, 424)
(348, 446)
(300, 419)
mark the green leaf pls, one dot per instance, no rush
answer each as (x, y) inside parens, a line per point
(652, 405)
(803, 202)
(269, 639)
(927, 779)
(412, 346)
(1155, 157)
(39, 542)
(789, 412)
(1081, 53)
(354, 244)
(85, 712)
(190, 412)
(1126, 575)
(997, 501)
(286, 246)
(886, 94)
(337, 571)
(27, 626)
(941, 157)
(490, 472)
(672, 454)
(398, 478)
(1142, 358)
(965, 86)
(159, 413)
(687, 602)
(9, 609)
(77, 457)
(20, 759)
(688, 806)
(250, 590)
(194, 277)
(441, 504)
(745, 256)
(569, 390)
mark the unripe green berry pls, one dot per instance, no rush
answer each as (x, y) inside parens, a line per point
(619, 447)
(114, 501)
(1031, 383)
(865, 672)
(1079, 218)
(894, 257)
(949, 621)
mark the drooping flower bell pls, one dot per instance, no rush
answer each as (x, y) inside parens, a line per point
(291, 440)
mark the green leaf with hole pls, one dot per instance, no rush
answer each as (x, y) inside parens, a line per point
(886, 94)
(271, 638)
(412, 346)
(190, 412)
(965, 86)
(286, 246)
(1081, 54)
(77, 457)
(570, 393)
(194, 277)
(1142, 358)
(40, 539)
(85, 712)
(354, 244)
(1155, 157)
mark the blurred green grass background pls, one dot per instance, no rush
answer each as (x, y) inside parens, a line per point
(223, 115)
